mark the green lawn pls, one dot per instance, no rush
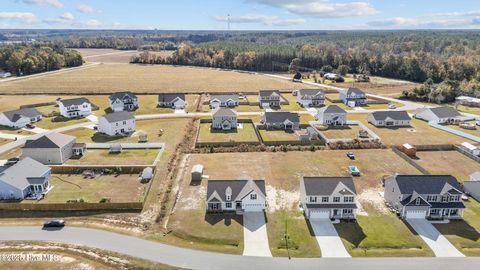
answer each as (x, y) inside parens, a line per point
(126, 157)
(244, 134)
(465, 235)
(301, 243)
(277, 135)
(381, 235)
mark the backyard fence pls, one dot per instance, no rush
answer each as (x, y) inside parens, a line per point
(409, 160)
(454, 131)
(127, 206)
(79, 169)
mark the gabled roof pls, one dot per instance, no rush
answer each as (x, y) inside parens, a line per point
(118, 116)
(426, 184)
(170, 97)
(73, 101)
(122, 95)
(332, 109)
(411, 200)
(51, 140)
(224, 98)
(239, 188)
(326, 185)
(14, 115)
(24, 173)
(267, 93)
(354, 90)
(310, 92)
(280, 117)
(445, 112)
(395, 115)
(221, 111)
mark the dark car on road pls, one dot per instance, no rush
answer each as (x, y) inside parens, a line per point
(54, 224)
(350, 155)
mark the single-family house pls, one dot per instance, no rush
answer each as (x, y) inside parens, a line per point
(236, 196)
(424, 196)
(51, 148)
(439, 114)
(389, 118)
(353, 97)
(26, 178)
(468, 101)
(230, 100)
(20, 118)
(123, 101)
(269, 98)
(117, 123)
(75, 107)
(281, 120)
(310, 98)
(471, 149)
(224, 118)
(332, 116)
(472, 187)
(328, 197)
(174, 101)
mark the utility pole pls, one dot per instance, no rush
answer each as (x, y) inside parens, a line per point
(228, 22)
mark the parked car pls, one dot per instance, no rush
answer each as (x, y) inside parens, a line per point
(350, 155)
(12, 161)
(30, 126)
(392, 106)
(57, 223)
(353, 170)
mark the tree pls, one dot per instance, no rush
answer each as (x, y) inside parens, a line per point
(343, 70)
(294, 65)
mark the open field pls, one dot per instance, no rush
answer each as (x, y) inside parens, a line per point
(121, 188)
(466, 109)
(108, 78)
(244, 134)
(126, 157)
(7, 130)
(270, 135)
(114, 56)
(346, 132)
(419, 133)
(465, 234)
(381, 86)
(447, 162)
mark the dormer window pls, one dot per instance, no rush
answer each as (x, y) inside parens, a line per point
(417, 201)
(228, 198)
(253, 196)
(324, 199)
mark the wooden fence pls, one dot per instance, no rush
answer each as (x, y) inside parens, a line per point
(127, 206)
(409, 160)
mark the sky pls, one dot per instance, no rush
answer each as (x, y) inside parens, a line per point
(242, 14)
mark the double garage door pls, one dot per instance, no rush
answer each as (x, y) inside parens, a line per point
(416, 214)
(253, 207)
(319, 214)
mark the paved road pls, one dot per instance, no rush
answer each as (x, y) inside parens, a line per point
(193, 259)
(434, 239)
(255, 236)
(327, 237)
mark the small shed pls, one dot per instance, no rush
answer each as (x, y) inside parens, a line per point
(115, 148)
(142, 137)
(472, 149)
(147, 174)
(197, 173)
(409, 150)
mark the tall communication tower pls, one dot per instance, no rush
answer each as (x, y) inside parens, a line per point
(228, 22)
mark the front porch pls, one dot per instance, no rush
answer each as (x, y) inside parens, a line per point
(445, 213)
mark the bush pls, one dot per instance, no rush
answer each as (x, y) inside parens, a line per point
(104, 200)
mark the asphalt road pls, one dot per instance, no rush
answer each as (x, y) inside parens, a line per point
(194, 259)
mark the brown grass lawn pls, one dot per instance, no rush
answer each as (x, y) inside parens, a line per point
(7, 130)
(347, 132)
(126, 157)
(277, 135)
(382, 86)
(15, 152)
(419, 133)
(114, 56)
(121, 188)
(4, 141)
(466, 109)
(448, 162)
(245, 134)
(108, 78)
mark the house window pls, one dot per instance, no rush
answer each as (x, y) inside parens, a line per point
(228, 198)
(228, 205)
(313, 199)
(348, 199)
(347, 211)
(253, 196)
(417, 201)
(445, 198)
(324, 199)
(124, 122)
(336, 199)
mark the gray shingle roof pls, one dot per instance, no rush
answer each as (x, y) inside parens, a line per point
(267, 93)
(326, 185)
(445, 112)
(395, 115)
(332, 109)
(221, 111)
(73, 101)
(14, 115)
(220, 186)
(118, 116)
(225, 98)
(280, 117)
(51, 140)
(122, 95)
(170, 97)
(26, 172)
(310, 92)
(355, 90)
(425, 184)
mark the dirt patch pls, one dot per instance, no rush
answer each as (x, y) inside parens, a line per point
(279, 199)
(373, 197)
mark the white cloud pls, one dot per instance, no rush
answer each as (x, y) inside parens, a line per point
(455, 14)
(423, 23)
(90, 24)
(67, 16)
(53, 3)
(259, 18)
(85, 9)
(322, 8)
(23, 17)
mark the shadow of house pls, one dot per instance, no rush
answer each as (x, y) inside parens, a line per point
(101, 138)
(227, 218)
(351, 232)
(460, 228)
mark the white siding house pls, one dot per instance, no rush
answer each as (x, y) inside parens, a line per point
(389, 118)
(332, 116)
(174, 101)
(439, 114)
(116, 124)
(74, 108)
(20, 118)
(310, 98)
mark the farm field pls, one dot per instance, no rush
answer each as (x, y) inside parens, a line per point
(121, 188)
(114, 56)
(419, 133)
(244, 134)
(108, 78)
(126, 157)
(447, 162)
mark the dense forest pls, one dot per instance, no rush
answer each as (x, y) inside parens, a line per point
(30, 59)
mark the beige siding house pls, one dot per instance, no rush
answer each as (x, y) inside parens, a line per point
(53, 148)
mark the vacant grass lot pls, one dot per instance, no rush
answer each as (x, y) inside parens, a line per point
(419, 133)
(382, 86)
(448, 162)
(7, 130)
(126, 157)
(121, 188)
(244, 134)
(346, 132)
(465, 235)
(107, 78)
(466, 109)
(114, 56)
(277, 135)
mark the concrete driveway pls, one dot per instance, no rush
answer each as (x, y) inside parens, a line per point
(327, 237)
(434, 239)
(255, 235)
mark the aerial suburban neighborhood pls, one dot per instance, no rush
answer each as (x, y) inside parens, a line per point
(126, 146)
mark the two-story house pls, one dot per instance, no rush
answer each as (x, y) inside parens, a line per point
(236, 196)
(116, 124)
(281, 120)
(174, 101)
(20, 118)
(389, 118)
(328, 197)
(230, 101)
(353, 97)
(123, 101)
(75, 107)
(51, 148)
(310, 98)
(224, 119)
(331, 116)
(425, 196)
(269, 98)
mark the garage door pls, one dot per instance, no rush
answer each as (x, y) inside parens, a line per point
(253, 207)
(319, 214)
(416, 214)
